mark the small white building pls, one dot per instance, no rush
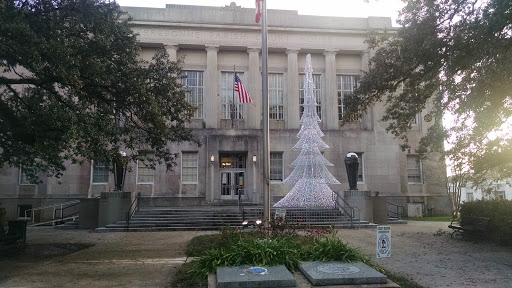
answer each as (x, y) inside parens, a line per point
(502, 191)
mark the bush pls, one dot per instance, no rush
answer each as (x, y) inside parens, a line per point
(499, 211)
(331, 249)
(264, 252)
(278, 248)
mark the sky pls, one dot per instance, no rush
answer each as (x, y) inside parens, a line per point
(340, 8)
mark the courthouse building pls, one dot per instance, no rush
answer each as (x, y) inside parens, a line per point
(212, 43)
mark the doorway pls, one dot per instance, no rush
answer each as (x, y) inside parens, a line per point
(232, 185)
(232, 176)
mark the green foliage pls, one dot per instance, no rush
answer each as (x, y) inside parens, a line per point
(449, 56)
(72, 87)
(181, 278)
(499, 211)
(331, 248)
(258, 252)
(268, 248)
(202, 243)
(434, 219)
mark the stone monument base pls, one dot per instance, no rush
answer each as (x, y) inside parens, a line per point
(362, 200)
(339, 273)
(244, 277)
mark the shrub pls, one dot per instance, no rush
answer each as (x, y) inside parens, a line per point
(331, 248)
(499, 211)
(265, 252)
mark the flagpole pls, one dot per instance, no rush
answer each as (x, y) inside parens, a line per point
(264, 96)
(233, 102)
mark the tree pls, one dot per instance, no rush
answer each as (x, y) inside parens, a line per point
(72, 88)
(457, 55)
(310, 174)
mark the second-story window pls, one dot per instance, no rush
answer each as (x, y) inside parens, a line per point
(275, 96)
(346, 85)
(193, 82)
(231, 106)
(316, 92)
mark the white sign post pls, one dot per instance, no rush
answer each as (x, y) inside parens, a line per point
(383, 241)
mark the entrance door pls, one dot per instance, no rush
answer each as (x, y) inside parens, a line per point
(232, 185)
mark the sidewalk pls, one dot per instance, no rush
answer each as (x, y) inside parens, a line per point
(148, 259)
(116, 259)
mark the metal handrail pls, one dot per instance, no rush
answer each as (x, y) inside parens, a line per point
(62, 211)
(32, 217)
(340, 205)
(397, 213)
(130, 212)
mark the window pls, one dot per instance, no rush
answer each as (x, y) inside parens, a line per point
(145, 173)
(100, 172)
(22, 209)
(193, 82)
(500, 195)
(233, 160)
(189, 167)
(470, 197)
(24, 180)
(275, 96)
(316, 92)
(413, 169)
(345, 87)
(230, 109)
(276, 166)
(360, 172)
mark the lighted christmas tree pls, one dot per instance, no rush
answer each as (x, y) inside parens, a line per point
(310, 174)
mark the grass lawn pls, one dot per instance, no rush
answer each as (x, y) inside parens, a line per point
(434, 219)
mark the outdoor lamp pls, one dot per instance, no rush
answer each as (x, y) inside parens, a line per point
(212, 158)
(253, 158)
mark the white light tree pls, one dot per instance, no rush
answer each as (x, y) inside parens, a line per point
(310, 174)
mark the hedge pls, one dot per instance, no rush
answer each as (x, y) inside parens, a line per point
(500, 213)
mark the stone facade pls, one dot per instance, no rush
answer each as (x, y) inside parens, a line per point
(213, 41)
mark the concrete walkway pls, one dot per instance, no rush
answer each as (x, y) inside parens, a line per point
(148, 259)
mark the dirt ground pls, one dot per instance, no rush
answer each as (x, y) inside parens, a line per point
(78, 258)
(424, 252)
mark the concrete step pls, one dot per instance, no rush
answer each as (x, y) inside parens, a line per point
(205, 228)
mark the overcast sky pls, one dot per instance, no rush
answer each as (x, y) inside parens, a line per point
(341, 8)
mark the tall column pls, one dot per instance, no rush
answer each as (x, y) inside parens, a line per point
(367, 117)
(254, 84)
(211, 100)
(365, 60)
(331, 95)
(172, 50)
(292, 94)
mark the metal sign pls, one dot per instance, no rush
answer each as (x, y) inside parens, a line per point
(280, 212)
(383, 241)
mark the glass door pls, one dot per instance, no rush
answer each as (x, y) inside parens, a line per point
(232, 185)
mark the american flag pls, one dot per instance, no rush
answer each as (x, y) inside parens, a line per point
(243, 95)
(258, 11)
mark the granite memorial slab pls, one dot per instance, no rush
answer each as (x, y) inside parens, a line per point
(249, 277)
(339, 273)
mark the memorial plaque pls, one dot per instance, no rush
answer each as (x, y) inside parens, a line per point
(339, 273)
(337, 268)
(248, 277)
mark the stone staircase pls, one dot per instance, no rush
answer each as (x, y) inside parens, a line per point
(214, 218)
